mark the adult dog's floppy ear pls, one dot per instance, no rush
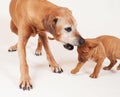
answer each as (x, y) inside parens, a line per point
(49, 23)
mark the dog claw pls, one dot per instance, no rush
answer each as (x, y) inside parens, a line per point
(61, 70)
(26, 86)
(12, 50)
(38, 53)
(58, 70)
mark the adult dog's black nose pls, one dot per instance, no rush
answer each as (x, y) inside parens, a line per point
(81, 41)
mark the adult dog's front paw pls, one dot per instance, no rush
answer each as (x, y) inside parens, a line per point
(12, 48)
(38, 52)
(25, 84)
(56, 69)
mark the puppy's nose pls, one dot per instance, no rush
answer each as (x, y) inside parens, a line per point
(81, 41)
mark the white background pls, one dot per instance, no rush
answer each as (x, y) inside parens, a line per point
(94, 18)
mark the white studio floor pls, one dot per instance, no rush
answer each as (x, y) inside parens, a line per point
(94, 18)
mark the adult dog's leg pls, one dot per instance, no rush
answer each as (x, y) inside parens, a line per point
(39, 48)
(55, 67)
(14, 30)
(25, 81)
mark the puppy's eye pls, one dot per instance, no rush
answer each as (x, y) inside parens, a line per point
(68, 29)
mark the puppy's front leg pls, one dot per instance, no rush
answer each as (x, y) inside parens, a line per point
(25, 81)
(55, 67)
(77, 68)
(97, 68)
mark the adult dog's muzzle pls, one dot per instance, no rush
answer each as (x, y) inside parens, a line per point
(81, 41)
(71, 47)
(68, 46)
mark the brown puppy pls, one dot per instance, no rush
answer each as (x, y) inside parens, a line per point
(98, 49)
(31, 17)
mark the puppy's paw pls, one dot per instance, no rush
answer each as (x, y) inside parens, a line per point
(74, 71)
(56, 69)
(25, 84)
(38, 52)
(118, 68)
(93, 75)
(106, 68)
(12, 49)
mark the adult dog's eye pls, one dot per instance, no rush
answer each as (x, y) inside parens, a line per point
(68, 29)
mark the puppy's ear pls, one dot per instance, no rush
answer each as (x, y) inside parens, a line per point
(92, 44)
(49, 23)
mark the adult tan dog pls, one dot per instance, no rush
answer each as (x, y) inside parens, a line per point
(31, 17)
(98, 49)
